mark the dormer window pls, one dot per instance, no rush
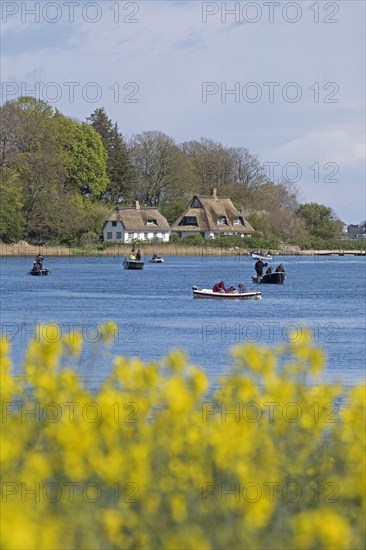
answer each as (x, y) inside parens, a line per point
(221, 220)
(151, 222)
(196, 203)
(238, 221)
(189, 220)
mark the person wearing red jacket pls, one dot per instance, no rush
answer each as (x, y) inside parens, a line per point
(219, 287)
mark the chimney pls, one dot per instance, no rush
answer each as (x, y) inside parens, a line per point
(137, 205)
(214, 193)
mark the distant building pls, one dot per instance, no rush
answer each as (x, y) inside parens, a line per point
(127, 223)
(357, 231)
(210, 217)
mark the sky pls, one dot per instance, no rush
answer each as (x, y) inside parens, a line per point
(284, 79)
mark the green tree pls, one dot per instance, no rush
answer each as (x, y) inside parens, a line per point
(164, 173)
(86, 157)
(31, 148)
(320, 220)
(120, 170)
(172, 211)
(54, 161)
(213, 165)
(12, 222)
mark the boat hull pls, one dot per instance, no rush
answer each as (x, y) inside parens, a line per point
(133, 264)
(39, 273)
(271, 278)
(156, 261)
(207, 293)
(260, 257)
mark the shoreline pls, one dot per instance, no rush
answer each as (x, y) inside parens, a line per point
(24, 249)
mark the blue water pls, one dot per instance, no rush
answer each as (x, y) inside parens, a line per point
(156, 313)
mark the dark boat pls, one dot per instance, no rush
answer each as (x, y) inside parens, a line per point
(39, 272)
(133, 264)
(276, 278)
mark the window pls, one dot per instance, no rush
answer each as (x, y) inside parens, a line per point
(119, 235)
(221, 220)
(151, 222)
(109, 236)
(196, 203)
(114, 224)
(238, 221)
(189, 220)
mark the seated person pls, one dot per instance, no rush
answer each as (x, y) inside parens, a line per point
(232, 290)
(138, 255)
(219, 287)
(280, 269)
(132, 256)
(243, 288)
(269, 270)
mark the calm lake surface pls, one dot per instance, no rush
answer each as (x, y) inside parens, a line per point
(156, 313)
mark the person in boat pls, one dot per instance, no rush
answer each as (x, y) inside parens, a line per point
(232, 290)
(39, 260)
(242, 288)
(219, 287)
(138, 255)
(259, 266)
(36, 267)
(154, 257)
(132, 255)
(280, 269)
(269, 270)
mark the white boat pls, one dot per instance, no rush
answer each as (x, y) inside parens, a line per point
(209, 293)
(156, 260)
(262, 257)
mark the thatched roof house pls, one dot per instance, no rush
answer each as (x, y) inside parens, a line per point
(211, 216)
(127, 223)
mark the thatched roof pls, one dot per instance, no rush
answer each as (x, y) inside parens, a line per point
(207, 214)
(137, 218)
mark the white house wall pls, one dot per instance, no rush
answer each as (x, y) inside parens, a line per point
(110, 234)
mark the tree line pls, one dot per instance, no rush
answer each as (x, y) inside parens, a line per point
(61, 177)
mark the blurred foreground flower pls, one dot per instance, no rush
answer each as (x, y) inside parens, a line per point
(150, 461)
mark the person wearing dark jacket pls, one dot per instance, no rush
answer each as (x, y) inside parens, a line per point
(259, 266)
(280, 269)
(39, 260)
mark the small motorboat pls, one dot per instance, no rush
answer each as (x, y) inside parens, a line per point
(39, 272)
(275, 278)
(156, 260)
(262, 257)
(230, 295)
(133, 264)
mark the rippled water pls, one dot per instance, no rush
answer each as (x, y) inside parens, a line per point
(156, 313)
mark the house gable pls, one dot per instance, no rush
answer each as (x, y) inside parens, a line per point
(212, 215)
(127, 223)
